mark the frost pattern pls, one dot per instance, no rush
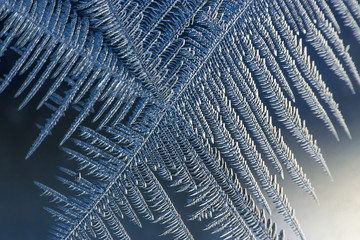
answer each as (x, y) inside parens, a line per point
(183, 92)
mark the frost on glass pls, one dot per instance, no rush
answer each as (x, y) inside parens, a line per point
(191, 94)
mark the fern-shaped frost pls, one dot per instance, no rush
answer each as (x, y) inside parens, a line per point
(189, 97)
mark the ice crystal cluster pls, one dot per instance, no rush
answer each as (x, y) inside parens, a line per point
(194, 94)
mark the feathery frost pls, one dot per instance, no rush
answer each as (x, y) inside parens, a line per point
(191, 96)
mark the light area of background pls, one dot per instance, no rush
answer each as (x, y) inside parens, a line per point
(337, 217)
